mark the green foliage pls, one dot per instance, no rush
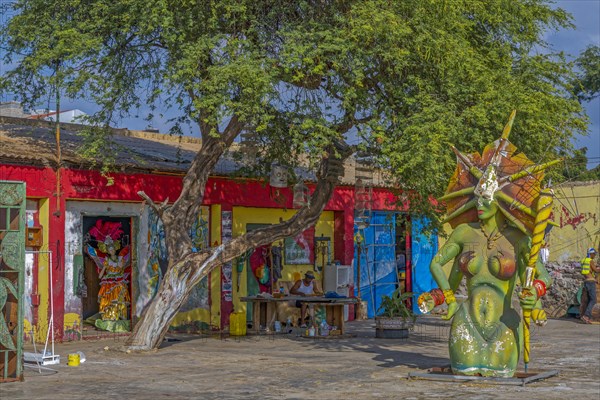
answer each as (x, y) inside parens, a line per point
(587, 84)
(403, 79)
(394, 306)
(575, 167)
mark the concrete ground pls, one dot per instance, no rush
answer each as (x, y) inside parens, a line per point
(292, 367)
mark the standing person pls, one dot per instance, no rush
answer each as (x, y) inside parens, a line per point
(304, 287)
(588, 269)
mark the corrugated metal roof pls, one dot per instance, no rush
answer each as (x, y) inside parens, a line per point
(35, 142)
(26, 141)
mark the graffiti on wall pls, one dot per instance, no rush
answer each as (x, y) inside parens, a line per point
(576, 211)
(567, 219)
(199, 233)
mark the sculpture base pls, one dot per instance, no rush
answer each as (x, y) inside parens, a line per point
(445, 374)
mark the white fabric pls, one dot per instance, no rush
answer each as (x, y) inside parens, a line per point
(306, 289)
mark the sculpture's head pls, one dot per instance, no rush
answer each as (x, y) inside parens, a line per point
(486, 208)
(109, 246)
(108, 235)
(499, 180)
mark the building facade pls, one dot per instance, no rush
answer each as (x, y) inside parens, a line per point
(71, 210)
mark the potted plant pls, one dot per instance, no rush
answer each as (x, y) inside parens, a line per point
(394, 318)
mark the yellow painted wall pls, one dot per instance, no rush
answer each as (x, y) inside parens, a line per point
(72, 326)
(187, 317)
(248, 215)
(576, 209)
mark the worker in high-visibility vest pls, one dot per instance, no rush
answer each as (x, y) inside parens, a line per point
(588, 269)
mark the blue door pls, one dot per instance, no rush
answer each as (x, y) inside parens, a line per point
(378, 276)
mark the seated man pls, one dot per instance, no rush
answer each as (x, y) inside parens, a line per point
(304, 287)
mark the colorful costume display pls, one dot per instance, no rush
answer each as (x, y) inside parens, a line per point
(112, 262)
(495, 205)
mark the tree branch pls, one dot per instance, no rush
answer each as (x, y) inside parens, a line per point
(332, 169)
(159, 208)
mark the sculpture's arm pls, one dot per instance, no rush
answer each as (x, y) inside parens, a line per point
(100, 264)
(529, 298)
(542, 274)
(456, 276)
(448, 252)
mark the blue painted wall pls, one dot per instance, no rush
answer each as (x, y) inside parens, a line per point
(423, 250)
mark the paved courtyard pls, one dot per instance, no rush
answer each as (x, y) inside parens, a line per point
(292, 367)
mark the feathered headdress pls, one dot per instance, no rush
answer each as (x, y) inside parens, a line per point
(499, 174)
(107, 234)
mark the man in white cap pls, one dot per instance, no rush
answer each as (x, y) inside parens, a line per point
(588, 269)
(304, 287)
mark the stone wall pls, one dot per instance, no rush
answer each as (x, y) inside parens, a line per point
(562, 294)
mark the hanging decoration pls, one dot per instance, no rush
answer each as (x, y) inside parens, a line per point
(301, 195)
(363, 192)
(278, 177)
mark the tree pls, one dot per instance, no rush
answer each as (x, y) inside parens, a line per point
(403, 79)
(575, 167)
(587, 84)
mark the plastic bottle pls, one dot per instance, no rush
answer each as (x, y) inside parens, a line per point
(324, 329)
(311, 331)
(288, 325)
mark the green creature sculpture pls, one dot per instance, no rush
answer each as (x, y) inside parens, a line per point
(492, 201)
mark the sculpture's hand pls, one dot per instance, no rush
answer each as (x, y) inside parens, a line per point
(452, 309)
(528, 298)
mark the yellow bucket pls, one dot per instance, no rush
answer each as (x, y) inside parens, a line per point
(73, 360)
(237, 324)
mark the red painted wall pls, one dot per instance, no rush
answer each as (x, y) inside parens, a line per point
(91, 185)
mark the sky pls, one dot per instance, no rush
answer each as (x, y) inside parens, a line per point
(586, 17)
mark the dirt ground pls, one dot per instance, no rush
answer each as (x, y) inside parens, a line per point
(292, 367)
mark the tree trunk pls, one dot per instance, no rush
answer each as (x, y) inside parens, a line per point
(186, 269)
(174, 290)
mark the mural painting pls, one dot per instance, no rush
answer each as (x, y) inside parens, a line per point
(299, 250)
(151, 272)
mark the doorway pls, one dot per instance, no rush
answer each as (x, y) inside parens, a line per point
(107, 272)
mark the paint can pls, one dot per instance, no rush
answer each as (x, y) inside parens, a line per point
(73, 360)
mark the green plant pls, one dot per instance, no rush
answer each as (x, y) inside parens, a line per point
(394, 306)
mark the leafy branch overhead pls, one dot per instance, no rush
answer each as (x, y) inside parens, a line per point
(405, 79)
(303, 82)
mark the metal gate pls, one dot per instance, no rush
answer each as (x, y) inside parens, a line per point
(12, 265)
